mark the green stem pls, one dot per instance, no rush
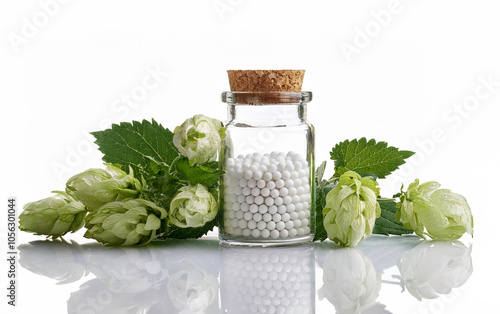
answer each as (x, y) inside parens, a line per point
(173, 164)
(333, 179)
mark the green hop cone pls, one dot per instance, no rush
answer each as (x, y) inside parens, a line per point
(53, 216)
(130, 222)
(437, 213)
(351, 209)
(193, 206)
(199, 139)
(96, 187)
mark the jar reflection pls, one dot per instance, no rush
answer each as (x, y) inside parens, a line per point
(260, 280)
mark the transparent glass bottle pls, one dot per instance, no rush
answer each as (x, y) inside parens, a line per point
(267, 192)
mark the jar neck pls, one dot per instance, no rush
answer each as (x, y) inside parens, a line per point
(267, 108)
(267, 115)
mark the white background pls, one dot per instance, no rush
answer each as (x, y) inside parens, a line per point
(411, 73)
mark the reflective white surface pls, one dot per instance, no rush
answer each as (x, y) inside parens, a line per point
(381, 275)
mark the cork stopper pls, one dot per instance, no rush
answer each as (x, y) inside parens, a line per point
(266, 80)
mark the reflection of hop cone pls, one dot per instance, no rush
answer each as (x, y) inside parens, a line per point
(434, 268)
(126, 271)
(58, 260)
(190, 288)
(95, 297)
(350, 281)
(259, 280)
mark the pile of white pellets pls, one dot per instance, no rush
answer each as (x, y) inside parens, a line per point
(267, 196)
(257, 280)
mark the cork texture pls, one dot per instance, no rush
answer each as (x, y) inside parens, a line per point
(266, 80)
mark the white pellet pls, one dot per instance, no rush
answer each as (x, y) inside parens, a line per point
(273, 209)
(252, 224)
(268, 176)
(280, 225)
(244, 207)
(275, 193)
(246, 191)
(282, 209)
(298, 206)
(263, 209)
(284, 234)
(275, 234)
(271, 225)
(267, 217)
(280, 183)
(277, 175)
(237, 190)
(278, 201)
(285, 217)
(269, 201)
(281, 166)
(251, 183)
(242, 224)
(257, 175)
(287, 200)
(265, 233)
(259, 200)
(276, 217)
(285, 175)
(261, 225)
(283, 191)
(257, 217)
(241, 199)
(248, 216)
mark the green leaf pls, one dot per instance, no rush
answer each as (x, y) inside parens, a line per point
(205, 174)
(142, 145)
(320, 172)
(174, 232)
(367, 157)
(386, 223)
(321, 193)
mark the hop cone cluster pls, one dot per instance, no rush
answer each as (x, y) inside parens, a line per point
(193, 206)
(131, 222)
(351, 209)
(53, 216)
(199, 138)
(437, 213)
(96, 187)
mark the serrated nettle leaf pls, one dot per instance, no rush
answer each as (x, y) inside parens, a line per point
(367, 157)
(386, 224)
(142, 145)
(207, 176)
(174, 232)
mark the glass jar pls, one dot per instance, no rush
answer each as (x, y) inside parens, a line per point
(268, 190)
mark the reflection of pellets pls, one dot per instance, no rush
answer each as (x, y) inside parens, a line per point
(259, 187)
(259, 280)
